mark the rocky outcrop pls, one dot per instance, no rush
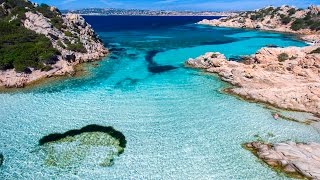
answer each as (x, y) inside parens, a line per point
(288, 78)
(75, 29)
(284, 77)
(12, 79)
(295, 159)
(74, 38)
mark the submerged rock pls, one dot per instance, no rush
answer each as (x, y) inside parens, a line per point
(1, 159)
(92, 145)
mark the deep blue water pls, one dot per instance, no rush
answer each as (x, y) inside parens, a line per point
(177, 123)
(116, 23)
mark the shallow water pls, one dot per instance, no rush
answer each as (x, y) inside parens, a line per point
(177, 123)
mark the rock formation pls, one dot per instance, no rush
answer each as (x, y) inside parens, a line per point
(71, 35)
(284, 77)
(288, 78)
(296, 159)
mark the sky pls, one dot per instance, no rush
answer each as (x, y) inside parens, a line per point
(195, 5)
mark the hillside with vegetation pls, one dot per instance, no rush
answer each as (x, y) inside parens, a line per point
(283, 19)
(38, 39)
(21, 48)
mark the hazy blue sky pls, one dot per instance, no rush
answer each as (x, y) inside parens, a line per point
(176, 4)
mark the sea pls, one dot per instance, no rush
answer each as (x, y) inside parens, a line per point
(178, 122)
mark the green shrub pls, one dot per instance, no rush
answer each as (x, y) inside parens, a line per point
(61, 44)
(292, 11)
(297, 25)
(46, 68)
(316, 51)
(21, 48)
(68, 33)
(54, 16)
(77, 47)
(315, 26)
(253, 17)
(282, 57)
(285, 20)
(214, 56)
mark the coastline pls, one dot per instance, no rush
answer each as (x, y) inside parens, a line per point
(75, 43)
(303, 63)
(281, 78)
(78, 71)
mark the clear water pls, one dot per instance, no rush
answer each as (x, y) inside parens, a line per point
(177, 123)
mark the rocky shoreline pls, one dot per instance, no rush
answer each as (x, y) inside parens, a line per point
(297, 160)
(75, 32)
(287, 78)
(289, 84)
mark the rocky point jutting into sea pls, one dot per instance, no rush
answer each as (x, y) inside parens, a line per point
(288, 78)
(70, 37)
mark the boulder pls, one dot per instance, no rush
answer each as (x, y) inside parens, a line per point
(291, 157)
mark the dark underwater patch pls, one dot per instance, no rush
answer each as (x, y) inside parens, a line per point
(1, 159)
(216, 42)
(90, 128)
(161, 69)
(155, 68)
(126, 82)
(150, 55)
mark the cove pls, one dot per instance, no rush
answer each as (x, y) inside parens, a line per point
(177, 123)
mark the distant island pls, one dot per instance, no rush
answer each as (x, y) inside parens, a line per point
(140, 12)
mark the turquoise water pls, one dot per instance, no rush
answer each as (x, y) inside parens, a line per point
(177, 123)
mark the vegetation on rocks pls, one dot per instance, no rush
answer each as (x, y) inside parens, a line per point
(22, 49)
(283, 56)
(77, 46)
(296, 19)
(54, 16)
(310, 21)
(316, 51)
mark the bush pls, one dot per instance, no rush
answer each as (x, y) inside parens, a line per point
(54, 16)
(77, 47)
(61, 44)
(292, 11)
(285, 20)
(297, 25)
(315, 26)
(316, 51)
(68, 33)
(22, 49)
(282, 57)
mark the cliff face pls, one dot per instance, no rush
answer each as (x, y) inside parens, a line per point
(56, 43)
(282, 19)
(76, 32)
